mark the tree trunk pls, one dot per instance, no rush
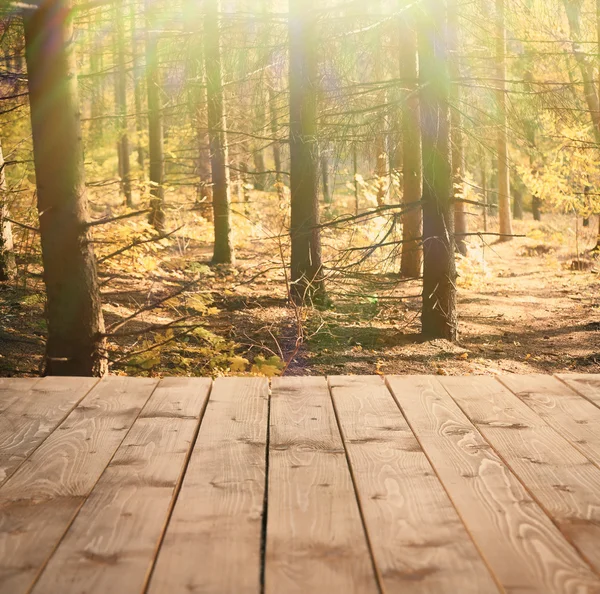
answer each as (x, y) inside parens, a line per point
(412, 177)
(325, 176)
(380, 144)
(121, 103)
(484, 191)
(458, 149)
(355, 178)
(438, 318)
(137, 91)
(573, 10)
(274, 130)
(258, 153)
(217, 130)
(306, 265)
(155, 120)
(503, 163)
(536, 205)
(97, 81)
(75, 326)
(7, 256)
(198, 108)
(518, 205)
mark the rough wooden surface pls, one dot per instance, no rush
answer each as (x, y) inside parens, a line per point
(315, 538)
(38, 503)
(569, 413)
(561, 479)
(419, 541)
(213, 541)
(499, 513)
(366, 485)
(112, 543)
(586, 385)
(33, 415)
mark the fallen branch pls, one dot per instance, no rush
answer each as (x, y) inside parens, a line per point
(23, 225)
(139, 242)
(113, 329)
(107, 220)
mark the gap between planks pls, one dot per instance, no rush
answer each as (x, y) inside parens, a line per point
(477, 476)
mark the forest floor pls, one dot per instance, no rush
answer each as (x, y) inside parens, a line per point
(525, 306)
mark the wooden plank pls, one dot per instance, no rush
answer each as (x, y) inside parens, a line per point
(34, 415)
(11, 389)
(563, 481)
(38, 503)
(520, 543)
(111, 545)
(213, 541)
(315, 538)
(419, 542)
(571, 415)
(588, 385)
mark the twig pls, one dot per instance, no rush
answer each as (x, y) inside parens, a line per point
(139, 242)
(23, 225)
(112, 329)
(107, 220)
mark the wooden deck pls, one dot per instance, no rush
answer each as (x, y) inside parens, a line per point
(351, 485)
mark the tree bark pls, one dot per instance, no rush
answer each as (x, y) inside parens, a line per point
(502, 142)
(217, 130)
(380, 145)
(573, 10)
(97, 81)
(121, 103)
(198, 109)
(412, 177)
(75, 326)
(306, 265)
(325, 171)
(137, 91)
(518, 205)
(536, 205)
(7, 256)
(439, 319)
(461, 227)
(155, 120)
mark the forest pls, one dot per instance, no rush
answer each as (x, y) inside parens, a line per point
(270, 187)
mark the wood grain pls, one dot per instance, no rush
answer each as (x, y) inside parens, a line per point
(569, 413)
(521, 545)
(38, 503)
(11, 389)
(588, 385)
(563, 481)
(34, 415)
(112, 543)
(315, 538)
(213, 541)
(419, 542)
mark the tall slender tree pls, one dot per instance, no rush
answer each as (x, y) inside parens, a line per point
(439, 319)
(121, 102)
(97, 78)
(592, 95)
(306, 265)
(458, 145)
(137, 74)
(217, 130)
(7, 255)
(504, 210)
(197, 106)
(412, 170)
(155, 119)
(75, 326)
